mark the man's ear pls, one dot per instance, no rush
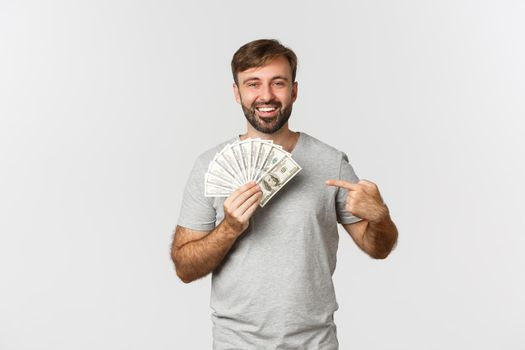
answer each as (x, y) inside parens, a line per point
(294, 91)
(236, 93)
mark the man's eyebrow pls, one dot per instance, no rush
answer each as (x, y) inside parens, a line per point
(258, 79)
(249, 79)
(280, 77)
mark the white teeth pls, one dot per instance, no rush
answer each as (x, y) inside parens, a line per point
(266, 109)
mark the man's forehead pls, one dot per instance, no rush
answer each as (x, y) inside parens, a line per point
(277, 68)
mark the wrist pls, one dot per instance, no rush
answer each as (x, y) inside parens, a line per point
(230, 230)
(382, 215)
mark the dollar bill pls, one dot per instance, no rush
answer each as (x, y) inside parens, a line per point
(222, 170)
(255, 147)
(275, 154)
(233, 162)
(262, 161)
(282, 172)
(245, 147)
(222, 161)
(236, 151)
(214, 188)
(264, 150)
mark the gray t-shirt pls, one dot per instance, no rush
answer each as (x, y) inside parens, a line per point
(274, 288)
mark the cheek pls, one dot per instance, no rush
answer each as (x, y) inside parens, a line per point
(247, 99)
(285, 98)
(248, 103)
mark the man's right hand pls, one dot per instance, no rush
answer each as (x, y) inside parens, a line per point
(240, 206)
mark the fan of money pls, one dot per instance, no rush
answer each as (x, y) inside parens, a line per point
(262, 161)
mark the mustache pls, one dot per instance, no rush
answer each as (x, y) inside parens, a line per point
(276, 104)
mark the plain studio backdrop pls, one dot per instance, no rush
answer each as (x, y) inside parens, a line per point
(105, 105)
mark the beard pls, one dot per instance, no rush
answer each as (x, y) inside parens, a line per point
(271, 126)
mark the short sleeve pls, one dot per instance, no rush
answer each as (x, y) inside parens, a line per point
(346, 173)
(197, 211)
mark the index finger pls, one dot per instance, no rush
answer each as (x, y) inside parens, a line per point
(341, 183)
(241, 190)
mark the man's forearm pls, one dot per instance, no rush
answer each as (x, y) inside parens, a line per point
(380, 237)
(195, 259)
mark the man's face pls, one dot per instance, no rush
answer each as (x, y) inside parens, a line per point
(266, 95)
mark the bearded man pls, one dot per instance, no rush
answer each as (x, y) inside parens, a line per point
(272, 266)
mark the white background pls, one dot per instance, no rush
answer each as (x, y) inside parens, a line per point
(104, 106)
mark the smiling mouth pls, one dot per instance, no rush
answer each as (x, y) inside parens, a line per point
(267, 112)
(266, 109)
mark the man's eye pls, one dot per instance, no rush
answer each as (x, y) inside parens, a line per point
(252, 84)
(279, 83)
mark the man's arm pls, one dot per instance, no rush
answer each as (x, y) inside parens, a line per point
(377, 239)
(197, 253)
(376, 234)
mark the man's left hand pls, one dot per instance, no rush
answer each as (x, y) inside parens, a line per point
(363, 199)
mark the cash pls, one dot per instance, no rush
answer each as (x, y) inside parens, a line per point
(262, 161)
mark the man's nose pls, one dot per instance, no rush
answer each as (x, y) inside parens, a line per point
(266, 93)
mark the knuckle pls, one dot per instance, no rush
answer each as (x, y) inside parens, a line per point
(228, 211)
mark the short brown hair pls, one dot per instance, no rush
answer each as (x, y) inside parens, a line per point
(257, 53)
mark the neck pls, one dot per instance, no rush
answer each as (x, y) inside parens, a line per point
(283, 137)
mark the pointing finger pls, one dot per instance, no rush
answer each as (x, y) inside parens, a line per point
(367, 183)
(341, 183)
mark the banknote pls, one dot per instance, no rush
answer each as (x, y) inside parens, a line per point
(245, 147)
(236, 151)
(253, 159)
(271, 182)
(264, 151)
(275, 154)
(215, 188)
(221, 169)
(229, 158)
